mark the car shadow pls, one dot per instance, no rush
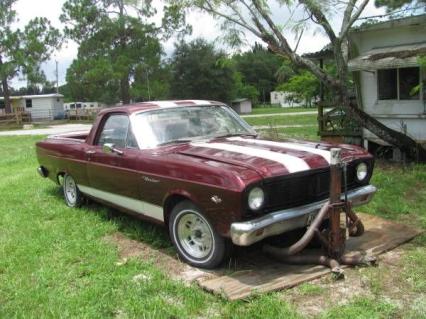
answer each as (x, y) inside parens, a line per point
(139, 238)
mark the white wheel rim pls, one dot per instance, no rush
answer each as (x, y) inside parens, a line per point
(194, 235)
(70, 190)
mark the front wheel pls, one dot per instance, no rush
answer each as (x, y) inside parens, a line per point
(195, 238)
(72, 195)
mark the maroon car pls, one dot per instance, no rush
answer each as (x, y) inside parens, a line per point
(198, 168)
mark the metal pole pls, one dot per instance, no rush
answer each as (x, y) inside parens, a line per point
(57, 77)
(337, 234)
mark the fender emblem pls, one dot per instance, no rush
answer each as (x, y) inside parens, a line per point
(216, 199)
(150, 179)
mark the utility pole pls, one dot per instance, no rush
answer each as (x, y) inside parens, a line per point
(149, 89)
(57, 77)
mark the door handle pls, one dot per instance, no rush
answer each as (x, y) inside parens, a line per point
(89, 152)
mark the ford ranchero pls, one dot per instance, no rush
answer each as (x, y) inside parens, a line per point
(198, 168)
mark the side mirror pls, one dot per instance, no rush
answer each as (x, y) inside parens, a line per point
(110, 148)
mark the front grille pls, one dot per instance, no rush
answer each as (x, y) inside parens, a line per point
(303, 188)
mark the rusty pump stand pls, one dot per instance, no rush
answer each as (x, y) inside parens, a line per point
(333, 238)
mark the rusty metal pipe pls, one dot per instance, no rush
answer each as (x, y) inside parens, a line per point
(314, 259)
(358, 259)
(302, 242)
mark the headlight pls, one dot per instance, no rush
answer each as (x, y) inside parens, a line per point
(256, 198)
(361, 171)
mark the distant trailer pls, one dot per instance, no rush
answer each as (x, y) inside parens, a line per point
(41, 107)
(80, 105)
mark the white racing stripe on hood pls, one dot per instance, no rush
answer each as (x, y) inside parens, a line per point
(323, 153)
(292, 163)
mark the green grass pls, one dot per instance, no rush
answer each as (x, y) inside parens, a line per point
(363, 308)
(309, 119)
(303, 133)
(55, 263)
(270, 110)
(308, 289)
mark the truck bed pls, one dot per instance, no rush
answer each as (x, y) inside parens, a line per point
(76, 136)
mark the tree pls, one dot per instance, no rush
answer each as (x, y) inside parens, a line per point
(258, 69)
(198, 71)
(117, 39)
(245, 90)
(22, 51)
(260, 18)
(93, 79)
(303, 86)
(152, 83)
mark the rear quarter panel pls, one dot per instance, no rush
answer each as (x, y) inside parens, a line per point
(60, 155)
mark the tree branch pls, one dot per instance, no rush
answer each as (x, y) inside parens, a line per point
(271, 24)
(347, 14)
(321, 19)
(355, 16)
(211, 9)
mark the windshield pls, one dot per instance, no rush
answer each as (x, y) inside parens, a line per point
(169, 125)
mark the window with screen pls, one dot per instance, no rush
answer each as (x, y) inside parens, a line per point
(399, 84)
(409, 79)
(28, 103)
(388, 84)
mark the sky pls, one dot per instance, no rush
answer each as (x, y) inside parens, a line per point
(203, 26)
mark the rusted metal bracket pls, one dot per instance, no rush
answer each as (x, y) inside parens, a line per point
(333, 238)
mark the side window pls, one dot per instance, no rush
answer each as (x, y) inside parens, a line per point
(131, 140)
(115, 131)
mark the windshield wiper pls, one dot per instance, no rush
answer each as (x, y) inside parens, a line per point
(175, 142)
(237, 134)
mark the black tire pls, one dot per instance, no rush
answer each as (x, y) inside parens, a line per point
(194, 237)
(72, 195)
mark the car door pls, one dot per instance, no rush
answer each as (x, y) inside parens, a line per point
(111, 169)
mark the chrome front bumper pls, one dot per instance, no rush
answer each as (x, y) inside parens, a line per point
(249, 232)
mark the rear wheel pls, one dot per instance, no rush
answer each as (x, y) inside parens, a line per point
(72, 195)
(195, 238)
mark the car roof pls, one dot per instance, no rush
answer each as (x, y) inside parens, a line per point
(152, 105)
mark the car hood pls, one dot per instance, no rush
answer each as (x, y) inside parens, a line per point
(269, 158)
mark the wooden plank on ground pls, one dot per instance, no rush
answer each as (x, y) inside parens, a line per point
(250, 271)
(265, 274)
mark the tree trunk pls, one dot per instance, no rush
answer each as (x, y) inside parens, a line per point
(6, 91)
(6, 94)
(124, 90)
(405, 143)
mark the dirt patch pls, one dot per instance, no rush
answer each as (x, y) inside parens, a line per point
(251, 272)
(384, 280)
(129, 248)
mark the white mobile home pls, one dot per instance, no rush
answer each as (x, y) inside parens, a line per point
(80, 105)
(390, 83)
(285, 99)
(41, 107)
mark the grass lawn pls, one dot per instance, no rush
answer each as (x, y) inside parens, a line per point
(54, 261)
(304, 133)
(270, 110)
(308, 119)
